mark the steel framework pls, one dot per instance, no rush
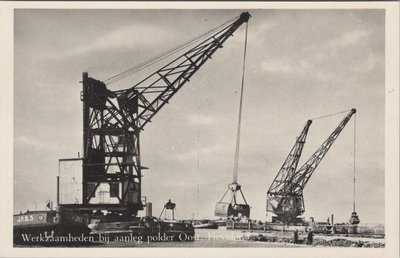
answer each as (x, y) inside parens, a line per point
(277, 200)
(112, 121)
(285, 195)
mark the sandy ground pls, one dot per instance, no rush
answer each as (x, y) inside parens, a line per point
(304, 235)
(208, 238)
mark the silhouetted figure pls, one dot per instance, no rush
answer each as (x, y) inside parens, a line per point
(310, 236)
(296, 236)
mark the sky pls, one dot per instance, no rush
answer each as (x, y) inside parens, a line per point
(300, 64)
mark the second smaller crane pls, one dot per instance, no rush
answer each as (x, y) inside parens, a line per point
(285, 195)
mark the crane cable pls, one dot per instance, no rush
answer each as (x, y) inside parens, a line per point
(316, 118)
(354, 152)
(354, 165)
(236, 165)
(163, 55)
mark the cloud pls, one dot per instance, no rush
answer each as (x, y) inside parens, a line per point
(370, 62)
(350, 38)
(263, 26)
(28, 142)
(200, 120)
(321, 59)
(276, 66)
(127, 37)
(193, 153)
(299, 66)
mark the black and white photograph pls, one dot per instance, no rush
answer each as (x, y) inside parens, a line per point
(168, 127)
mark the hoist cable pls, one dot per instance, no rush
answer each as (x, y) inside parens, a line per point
(162, 55)
(354, 152)
(158, 58)
(354, 164)
(197, 175)
(236, 165)
(330, 115)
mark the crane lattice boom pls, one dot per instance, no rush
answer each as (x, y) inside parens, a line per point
(112, 121)
(285, 196)
(289, 167)
(155, 90)
(300, 179)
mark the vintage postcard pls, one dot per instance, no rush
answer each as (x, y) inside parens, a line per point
(200, 129)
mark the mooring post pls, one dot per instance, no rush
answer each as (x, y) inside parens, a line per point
(58, 190)
(84, 98)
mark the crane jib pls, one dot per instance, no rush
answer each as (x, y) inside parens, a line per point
(113, 120)
(285, 196)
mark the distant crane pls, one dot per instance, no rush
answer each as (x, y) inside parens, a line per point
(285, 195)
(113, 120)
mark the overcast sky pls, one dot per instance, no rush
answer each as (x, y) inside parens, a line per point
(300, 64)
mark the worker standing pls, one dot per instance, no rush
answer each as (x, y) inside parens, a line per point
(296, 236)
(310, 237)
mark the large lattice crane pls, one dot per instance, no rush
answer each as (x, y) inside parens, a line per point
(112, 121)
(285, 195)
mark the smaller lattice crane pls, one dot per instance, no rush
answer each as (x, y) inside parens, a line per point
(285, 195)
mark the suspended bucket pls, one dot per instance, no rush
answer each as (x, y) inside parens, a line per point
(223, 209)
(241, 210)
